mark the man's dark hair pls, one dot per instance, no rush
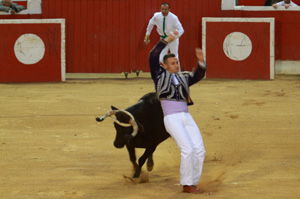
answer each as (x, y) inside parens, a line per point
(167, 56)
(166, 4)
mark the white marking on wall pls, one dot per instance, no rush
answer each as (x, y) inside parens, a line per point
(29, 49)
(237, 46)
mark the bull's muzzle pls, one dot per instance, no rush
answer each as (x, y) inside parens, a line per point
(132, 121)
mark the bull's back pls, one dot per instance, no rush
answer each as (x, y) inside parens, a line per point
(148, 112)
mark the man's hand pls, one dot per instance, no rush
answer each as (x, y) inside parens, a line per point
(146, 39)
(275, 6)
(199, 55)
(286, 6)
(172, 36)
(12, 11)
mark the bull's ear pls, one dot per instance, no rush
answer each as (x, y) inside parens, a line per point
(114, 108)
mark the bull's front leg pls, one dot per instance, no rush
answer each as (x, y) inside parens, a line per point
(131, 151)
(148, 152)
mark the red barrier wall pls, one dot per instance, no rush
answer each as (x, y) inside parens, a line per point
(251, 2)
(287, 44)
(23, 3)
(31, 51)
(107, 36)
(226, 38)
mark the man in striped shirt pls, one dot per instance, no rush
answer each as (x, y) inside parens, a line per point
(172, 88)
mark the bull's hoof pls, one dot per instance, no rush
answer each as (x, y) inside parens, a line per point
(150, 164)
(143, 177)
(136, 175)
(149, 167)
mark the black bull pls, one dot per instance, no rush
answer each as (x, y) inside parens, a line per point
(146, 118)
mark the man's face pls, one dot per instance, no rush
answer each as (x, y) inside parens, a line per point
(172, 65)
(287, 1)
(6, 2)
(165, 10)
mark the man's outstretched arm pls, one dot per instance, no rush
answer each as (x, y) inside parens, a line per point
(155, 52)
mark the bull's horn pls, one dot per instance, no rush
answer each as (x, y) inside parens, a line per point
(132, 121)
(134, 126)
(109, 113)
(121, 123)
(125, 124)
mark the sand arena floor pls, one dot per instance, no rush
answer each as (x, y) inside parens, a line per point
(52, 147)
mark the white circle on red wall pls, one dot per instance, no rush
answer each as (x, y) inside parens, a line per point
(237, 46)
(29, 49)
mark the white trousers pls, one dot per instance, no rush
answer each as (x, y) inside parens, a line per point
(173, 47)
(185, 132)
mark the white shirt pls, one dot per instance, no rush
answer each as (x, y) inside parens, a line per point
(281, 3)
(171, 23)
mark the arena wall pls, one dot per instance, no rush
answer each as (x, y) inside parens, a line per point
(107, 36)
(287, 25)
